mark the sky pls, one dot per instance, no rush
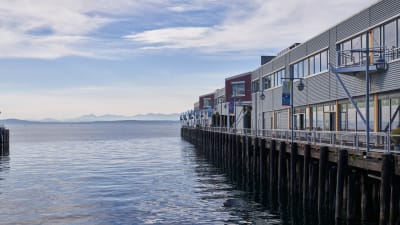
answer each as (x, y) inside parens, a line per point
(65, 58)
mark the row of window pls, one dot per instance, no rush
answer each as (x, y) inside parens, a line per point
(323, 117)
(311, 65)
(238, 89)
(385, 37)
(273, 80)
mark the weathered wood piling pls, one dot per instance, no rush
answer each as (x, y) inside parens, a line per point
(4, 142)
(341, 185)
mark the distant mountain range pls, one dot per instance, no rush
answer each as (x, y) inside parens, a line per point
(100, 118)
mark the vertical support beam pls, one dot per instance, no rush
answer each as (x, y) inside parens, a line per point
(263, 171)
(394, 206)
(273, 175)
(364, 196)
(376, 113)
(293, 158)
(351, 192)
(386, 175)
(323, 166)
(341, 174)
(282, 184)
(306, 177)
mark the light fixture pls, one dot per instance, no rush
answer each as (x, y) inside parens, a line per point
(380, 64)
(262, 96)
(300, 85)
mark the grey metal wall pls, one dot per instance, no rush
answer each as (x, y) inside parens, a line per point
(324, 87)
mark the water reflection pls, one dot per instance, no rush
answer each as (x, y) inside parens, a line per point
(212, 184)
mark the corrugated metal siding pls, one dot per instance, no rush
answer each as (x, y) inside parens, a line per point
(298, 53)
(332, 46)
(353, 25)
(384, 10)
(387, 81)
(278, 63)
(268, 120)
(283, 121)
(318, 43)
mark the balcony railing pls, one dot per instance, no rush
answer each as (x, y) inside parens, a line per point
(358, 57)
(379, 141)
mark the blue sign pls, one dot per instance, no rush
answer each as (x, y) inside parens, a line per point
(231, 106)
(286, 87)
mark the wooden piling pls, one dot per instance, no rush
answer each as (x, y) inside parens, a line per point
(306, 176)
(323, 166)
(341, 174)
(293, 158)
(386, 175)
(263, 171)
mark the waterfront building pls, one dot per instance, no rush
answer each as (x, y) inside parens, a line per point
(370, 36)
(238, 98)
(349, 77)
(206, 106)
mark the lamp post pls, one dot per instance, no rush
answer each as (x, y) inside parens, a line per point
(262, 97)
(300, 87)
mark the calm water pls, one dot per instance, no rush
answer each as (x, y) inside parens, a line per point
(116, 173)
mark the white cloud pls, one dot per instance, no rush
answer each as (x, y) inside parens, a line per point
(261, 25)
(51, 29)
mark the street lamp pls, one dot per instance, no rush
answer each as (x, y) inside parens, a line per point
(300, 87)
(262, 97)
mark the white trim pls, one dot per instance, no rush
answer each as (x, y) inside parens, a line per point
(239, 82)
(315, 74)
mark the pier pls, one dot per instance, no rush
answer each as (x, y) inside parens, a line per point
(343, 184)
(4, 142)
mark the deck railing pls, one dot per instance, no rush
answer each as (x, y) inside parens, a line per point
(379, 141)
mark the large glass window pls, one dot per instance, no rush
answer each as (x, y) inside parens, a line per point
(343, 117)
(311, 65)
(301, 69)
(317, 64)
(390, 41)
(306, 70)
(376, 37)
(255, 85)
(267, 82)
(384, 113)
(320, 116)
(351, 118)
(296, 70)
(206, 102)
(356, 44)
(324, 60)
(395, 103)
(238, 89)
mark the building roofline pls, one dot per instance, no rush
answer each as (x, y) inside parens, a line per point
(306, 41)
(239, 75)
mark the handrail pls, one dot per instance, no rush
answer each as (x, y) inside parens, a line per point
(379, 141)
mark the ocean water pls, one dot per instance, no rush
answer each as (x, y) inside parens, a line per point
(116, 173)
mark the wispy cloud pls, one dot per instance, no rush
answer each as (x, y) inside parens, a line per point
(254, 26)
(52, 29)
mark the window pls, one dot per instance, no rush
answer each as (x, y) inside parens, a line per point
(267, 82)
(384, 106)
(343, 117)
(238, 89)
(324, 60)
(390, 41)
(206, 102)
(351, 117)
(306, 70)
(301, 69)
(356, 44)
(317, 63)
(296, 70)
(376, 37)
(255, 85)
(311, 65)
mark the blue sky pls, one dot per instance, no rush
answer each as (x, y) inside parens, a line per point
(62, 59)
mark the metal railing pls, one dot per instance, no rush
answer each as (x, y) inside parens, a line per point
(358, 57)
(379, 141)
